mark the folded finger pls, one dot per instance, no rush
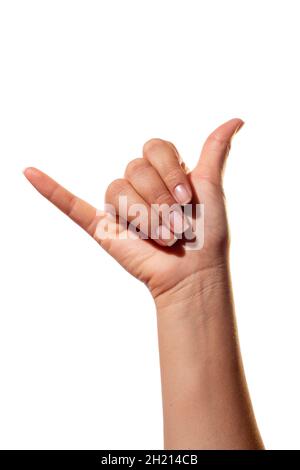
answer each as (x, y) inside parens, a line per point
(132, 208)
(164, 158)
(148, 184)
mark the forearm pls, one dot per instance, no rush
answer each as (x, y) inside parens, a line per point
(205, 397)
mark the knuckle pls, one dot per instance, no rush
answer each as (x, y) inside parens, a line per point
(163, 198)
(152, 145)
(172, 146)
(217, 142)
(134, 166)
(115, 188)
(173, 176)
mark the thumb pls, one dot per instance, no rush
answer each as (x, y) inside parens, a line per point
(215, 151)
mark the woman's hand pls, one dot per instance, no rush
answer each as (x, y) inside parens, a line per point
(206, 402)
(159, 177)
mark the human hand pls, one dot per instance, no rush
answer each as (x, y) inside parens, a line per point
(163, 264)
(205, 397)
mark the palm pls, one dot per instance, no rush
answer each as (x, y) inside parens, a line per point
(161, 268)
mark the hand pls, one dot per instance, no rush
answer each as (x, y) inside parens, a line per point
(159, 178)
(206, 402)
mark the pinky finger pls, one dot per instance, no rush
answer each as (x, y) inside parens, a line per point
(77, 209)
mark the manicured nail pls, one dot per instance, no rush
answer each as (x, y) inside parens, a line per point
(182, 194)
(163, 236)
(29, 171)
(178, 221)
(26, 171)
(239, 127)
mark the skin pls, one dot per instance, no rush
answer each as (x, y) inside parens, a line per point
(206, 402)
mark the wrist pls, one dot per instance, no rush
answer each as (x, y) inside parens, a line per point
(198, 315)
(192, 293)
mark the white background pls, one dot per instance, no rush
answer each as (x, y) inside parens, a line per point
(83, 85)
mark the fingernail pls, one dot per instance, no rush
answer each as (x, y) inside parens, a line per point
(29, 171)
(182, 194)
(172, 242)
(163, 236)
(178, 221)
(239, 127)
(26, 171)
